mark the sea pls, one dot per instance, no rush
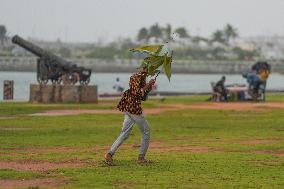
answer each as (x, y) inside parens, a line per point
(189, 83)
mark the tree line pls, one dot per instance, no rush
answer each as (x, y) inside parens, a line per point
(3, 34)
(159, 34)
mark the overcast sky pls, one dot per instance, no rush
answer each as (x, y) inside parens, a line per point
(91, 20)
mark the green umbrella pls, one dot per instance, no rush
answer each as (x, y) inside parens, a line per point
(156, 56)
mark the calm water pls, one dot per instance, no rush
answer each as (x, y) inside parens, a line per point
(105, 81)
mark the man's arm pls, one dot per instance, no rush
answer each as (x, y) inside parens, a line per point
(136, 89)
(148, 87)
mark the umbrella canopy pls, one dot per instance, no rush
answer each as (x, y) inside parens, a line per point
(155, 56)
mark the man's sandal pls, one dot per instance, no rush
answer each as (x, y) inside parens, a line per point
(108, 159)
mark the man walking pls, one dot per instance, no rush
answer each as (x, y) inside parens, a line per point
(130, 105)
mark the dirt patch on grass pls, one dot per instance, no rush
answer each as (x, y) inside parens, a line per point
(237, 106)
(124, 184)
(7, 117)
(161, 147)
(39, 166)
(157, 146)
(74, 112)
(46, 168)
(274, 152)
(266, 162)
(32, 183)
(151, 111)
(39, 150)
(14, 128)
(194, 149)
(260, 141)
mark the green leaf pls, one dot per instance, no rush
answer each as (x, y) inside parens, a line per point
(150, 49)
(167, 66)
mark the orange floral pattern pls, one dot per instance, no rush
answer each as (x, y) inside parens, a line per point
(131, 98)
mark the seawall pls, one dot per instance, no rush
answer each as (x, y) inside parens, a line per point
(130, 65)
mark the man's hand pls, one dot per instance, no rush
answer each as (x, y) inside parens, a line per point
(152, 82)
(149, 84)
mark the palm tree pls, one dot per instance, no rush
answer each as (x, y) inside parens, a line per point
(218, 36)
(3, 33)
(182, 32)
(156, 32)
(142, 34)
(230, 32)
(168, 32)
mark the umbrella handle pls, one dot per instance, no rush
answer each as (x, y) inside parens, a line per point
(157, 75)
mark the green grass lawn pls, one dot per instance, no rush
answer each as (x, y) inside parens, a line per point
(243, 149)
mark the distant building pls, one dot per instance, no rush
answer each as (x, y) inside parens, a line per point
(271, 47)
(246, 45)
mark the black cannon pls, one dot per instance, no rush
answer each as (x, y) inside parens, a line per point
(53, 68)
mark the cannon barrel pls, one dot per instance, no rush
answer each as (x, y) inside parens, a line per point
(39, 51)
(29, 46)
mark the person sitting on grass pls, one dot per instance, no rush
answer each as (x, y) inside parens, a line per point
(221, 89)
(130, 105)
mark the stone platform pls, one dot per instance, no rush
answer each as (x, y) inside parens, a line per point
(63, 93)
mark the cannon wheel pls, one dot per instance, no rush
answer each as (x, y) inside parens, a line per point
(86, 82)
(56, 81)
(42, 81)
(67, 79)
(59, 81)
(75, 77)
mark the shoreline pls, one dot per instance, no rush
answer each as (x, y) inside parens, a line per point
(28, 64)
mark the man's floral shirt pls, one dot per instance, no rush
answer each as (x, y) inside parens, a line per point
(131, 99)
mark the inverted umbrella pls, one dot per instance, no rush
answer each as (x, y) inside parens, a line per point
(155, 56)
